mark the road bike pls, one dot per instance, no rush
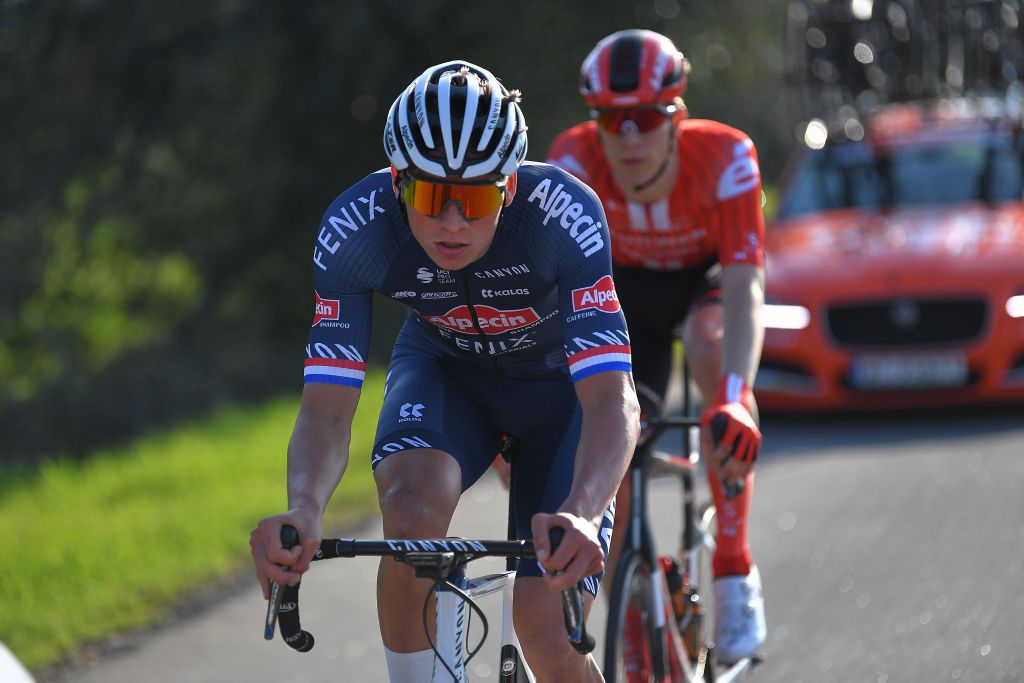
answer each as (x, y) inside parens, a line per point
(443, 561)
(656, 632)
(11, 670)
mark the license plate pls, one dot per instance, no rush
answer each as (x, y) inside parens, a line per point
(918, 370)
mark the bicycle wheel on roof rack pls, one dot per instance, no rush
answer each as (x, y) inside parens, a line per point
(633, 652)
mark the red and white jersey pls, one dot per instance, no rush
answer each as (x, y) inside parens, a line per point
(713, 212)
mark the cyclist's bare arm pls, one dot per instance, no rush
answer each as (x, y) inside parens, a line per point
(743, 336)
(317, 458)
(611, 422)
(742, 297)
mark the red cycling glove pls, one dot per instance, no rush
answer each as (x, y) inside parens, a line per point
(731, 421)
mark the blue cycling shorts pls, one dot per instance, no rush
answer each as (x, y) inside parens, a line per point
(431, 401)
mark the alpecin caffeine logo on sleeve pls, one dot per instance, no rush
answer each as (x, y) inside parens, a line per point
(326, 309)
(600, 295)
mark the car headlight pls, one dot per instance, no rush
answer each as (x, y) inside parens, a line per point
(1015, 306)
(787, 317)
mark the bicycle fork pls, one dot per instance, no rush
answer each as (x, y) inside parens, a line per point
(514, 668)
(452, 628)
(670, 657)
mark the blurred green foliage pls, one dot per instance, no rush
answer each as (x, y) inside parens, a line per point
(177, 489)
(164, 167)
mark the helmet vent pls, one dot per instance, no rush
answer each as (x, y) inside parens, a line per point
(674, 76)
(624, 71)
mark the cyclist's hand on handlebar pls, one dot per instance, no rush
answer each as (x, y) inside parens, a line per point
(736, 438)
(578, 555)
(739, 440)
(271, 557)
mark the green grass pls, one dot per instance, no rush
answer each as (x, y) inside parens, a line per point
(771, 201)
(109, 543)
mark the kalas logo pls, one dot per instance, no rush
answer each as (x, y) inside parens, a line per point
(600, 295)
(326, 309)
(490, 320)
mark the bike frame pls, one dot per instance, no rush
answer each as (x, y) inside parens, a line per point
(452, 636)
(639, 539)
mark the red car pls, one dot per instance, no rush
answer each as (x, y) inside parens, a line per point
(895, 264)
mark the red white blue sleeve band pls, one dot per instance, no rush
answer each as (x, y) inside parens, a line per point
(335, 371)
(599, 359)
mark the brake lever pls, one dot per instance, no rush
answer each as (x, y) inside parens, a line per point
(572, 606)
(289, 539)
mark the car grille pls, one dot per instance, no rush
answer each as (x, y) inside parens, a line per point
(907, 322)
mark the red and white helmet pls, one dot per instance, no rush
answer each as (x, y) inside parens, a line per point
(633, 68)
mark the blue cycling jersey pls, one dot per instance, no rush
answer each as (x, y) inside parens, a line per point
(540, 302)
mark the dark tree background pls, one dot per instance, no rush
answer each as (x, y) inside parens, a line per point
(164, 167)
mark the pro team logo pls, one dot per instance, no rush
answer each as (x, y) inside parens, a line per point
(490, 320)
(326, 309)
(600, 295)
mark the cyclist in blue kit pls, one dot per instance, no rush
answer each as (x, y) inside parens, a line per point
(514, 327)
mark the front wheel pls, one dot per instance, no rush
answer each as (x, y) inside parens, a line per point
(633, 652)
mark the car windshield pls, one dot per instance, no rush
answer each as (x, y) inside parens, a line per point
(935, 172)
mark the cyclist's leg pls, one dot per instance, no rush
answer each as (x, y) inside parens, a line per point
(543, 476)
(540, 626)
(418, 494)
(420, 470)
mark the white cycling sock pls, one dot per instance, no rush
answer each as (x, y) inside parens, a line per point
(409, 667)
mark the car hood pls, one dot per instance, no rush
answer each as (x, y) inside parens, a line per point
(941, 238)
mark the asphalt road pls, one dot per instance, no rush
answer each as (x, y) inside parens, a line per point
(892, 549)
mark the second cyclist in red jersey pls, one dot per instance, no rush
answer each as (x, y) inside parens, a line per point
(683, 203)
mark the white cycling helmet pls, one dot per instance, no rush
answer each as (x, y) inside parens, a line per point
(457, 122)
